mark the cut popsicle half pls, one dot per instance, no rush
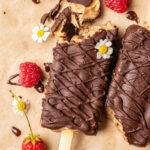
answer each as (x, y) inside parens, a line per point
(78, 81)
(128, 100)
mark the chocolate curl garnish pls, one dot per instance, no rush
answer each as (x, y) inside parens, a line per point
(11, 78)
(52, 14)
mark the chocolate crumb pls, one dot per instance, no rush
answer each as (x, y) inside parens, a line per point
(39, 87)
(36, 1)
(131, 15)
(16, 131)
(47, 66)
(145, 22)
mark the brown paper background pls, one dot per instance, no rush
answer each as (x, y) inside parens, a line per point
(16, 46)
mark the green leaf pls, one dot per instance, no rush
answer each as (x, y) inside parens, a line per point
(27, 141)
(37, 139)
(26, 138)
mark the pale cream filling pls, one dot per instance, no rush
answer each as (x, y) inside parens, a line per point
(111, 115)
(87, 32)
(85, 13)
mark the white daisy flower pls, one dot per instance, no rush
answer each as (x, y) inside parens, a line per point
(40, 33)
(23, 105)
(104, 49)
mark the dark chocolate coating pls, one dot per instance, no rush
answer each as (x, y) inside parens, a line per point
(129, 91)
(77, 85)
(86, 3)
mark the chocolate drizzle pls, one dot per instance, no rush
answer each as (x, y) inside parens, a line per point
(16, 131)
(86, 3)
(11, 78)
(129, 92)
(131, 15)
(39, 87)
(36, 1)
(77, 86)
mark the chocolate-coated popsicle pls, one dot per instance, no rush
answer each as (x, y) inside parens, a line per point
(128, 101)
(79, 76)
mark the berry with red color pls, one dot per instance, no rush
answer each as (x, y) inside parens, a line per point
(38, 145)
(30, 74)
(119, 6)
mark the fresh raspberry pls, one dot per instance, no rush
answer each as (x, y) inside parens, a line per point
(38, 145)
(119, 6)
(30, 74)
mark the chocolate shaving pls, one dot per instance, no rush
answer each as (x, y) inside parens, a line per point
(65, 18)
(52, 14)
(86, 3)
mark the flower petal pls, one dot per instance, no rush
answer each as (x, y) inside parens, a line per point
(46, 29)
(102, 42)
(98, 55)
(15, 109)
(34, 37)
(110, 51)
(108, 44)
(41, 26)
(45, 36)
(15, 102)
(26, 101)
(105, 56)
(40, 40)
(105, 41)
(98, 46)
(35, 30)
(20, 113)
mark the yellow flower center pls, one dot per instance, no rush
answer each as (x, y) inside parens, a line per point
(40, 33)
(21, 105)
(103, 49)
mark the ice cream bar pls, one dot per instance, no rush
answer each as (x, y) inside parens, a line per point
(128, 101)
(78, 80)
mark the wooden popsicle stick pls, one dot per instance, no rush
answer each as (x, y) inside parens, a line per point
(66, 139)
